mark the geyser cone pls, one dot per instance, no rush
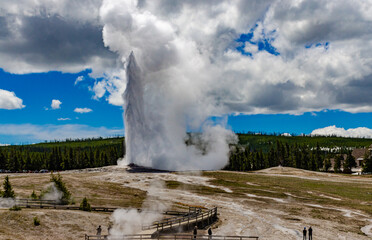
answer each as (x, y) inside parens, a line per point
(134, 118)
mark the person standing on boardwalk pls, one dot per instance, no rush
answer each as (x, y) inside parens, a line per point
(304, 233)
(310, 233)
(210, 234)
(195, 231)
(99, 230)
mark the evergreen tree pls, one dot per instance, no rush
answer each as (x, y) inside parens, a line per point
(312, 163)
(367, 166)
(327, 164)
(33, 195)
(27, 162)
(3, 160)
(318, 157)
(349, 163)
(84, 205)
(60, 185)
(8, 191)
(337, 165)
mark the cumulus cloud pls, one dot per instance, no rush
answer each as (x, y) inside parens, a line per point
(303, 56)
(8, 100)
(82, 110)
(40, 36)
(56, 104)
(79, 79)
(300, 56)
(33, 133)
(286, 135)
(64, 119)
(360, 132)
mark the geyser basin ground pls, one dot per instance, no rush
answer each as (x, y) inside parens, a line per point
(274, 203)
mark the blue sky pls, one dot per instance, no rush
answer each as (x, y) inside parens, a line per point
(37, 91)
(269, 68)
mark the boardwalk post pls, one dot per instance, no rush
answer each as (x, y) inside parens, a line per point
(208, 217)
(202, 222)
(188, 223)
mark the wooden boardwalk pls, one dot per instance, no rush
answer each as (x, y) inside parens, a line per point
(169, 237)
(188, 221)
(194, 218)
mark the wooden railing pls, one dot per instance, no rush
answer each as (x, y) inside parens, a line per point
(178, 221)
(167, 237)
(29, 202)
(52, 204)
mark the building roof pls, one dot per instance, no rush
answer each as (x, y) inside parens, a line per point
(359, 153)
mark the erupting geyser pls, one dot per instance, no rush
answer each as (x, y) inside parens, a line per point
(170, 90)
(134, 118)
(155, 139)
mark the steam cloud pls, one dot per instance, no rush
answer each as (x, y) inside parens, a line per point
(165, 99)
(7, 202)
(52, 193)
(130, 221)
(157, 138)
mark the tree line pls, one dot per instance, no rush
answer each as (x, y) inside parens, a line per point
(252, 153)
(57, 158)
(244, 158)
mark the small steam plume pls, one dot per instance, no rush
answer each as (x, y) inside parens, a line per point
(52, 193)
(7, 202)
(130, 221)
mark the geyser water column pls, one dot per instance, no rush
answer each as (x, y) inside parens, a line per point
(134, 117)
(154, 138)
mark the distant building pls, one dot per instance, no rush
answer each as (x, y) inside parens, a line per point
(360, 155)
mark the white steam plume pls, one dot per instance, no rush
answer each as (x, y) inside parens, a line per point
(52, 193)
(157, 138)
(130, 221)
(7, 202)
(166, 98)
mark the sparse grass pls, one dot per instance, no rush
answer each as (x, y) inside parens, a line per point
(354, 192)
(99, 193)
(353, 195)
(36, 221)
(15, 208)
(200, 189)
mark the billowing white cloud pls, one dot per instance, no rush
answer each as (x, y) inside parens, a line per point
(314, 59)
(82, 110)
(286, 135)
(8, 100)
(322, 49)
(64, 119)
(79, 79)
(41, 36)
(56, 104)
(360, 132)
(31, 132)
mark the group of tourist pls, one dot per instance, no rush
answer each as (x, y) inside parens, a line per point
(310, 233)
(195, 232)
